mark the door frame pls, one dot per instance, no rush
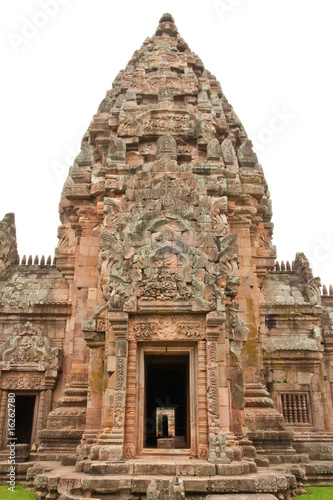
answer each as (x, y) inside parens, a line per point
(19, 393)
(168, 348)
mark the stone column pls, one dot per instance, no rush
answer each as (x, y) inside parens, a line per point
(41, 417)
(3, 406)
(94, 335)
(111, 443)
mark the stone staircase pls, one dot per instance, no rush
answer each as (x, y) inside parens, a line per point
(138, 479)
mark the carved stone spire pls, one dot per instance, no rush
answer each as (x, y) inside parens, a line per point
(8, 244)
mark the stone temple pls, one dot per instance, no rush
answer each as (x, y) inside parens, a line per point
(164, 353)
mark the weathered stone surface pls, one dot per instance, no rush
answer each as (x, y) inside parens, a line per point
(249, 496)
(8, 245)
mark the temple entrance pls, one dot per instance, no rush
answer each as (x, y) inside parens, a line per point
(24, 418)
(166, 422)
(166, 403)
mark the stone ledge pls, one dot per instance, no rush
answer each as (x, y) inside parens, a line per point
(250, 496)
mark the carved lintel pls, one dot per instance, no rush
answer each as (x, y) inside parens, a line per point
(159, 327)
(17, 382)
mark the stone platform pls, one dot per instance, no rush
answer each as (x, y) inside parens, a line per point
(241, 497)
(132, 480)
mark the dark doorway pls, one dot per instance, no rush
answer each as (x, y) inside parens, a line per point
(24, 417)
(166, 386)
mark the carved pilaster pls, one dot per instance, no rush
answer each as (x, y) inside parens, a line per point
(3, 406)
(130, 427)
(94, 335)
(212, 387)
(214, 321)
(110, 444)
(202, 401)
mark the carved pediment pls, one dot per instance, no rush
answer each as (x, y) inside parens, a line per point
(29, 348)
(166, 240)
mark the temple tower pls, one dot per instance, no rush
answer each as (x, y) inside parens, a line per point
(165, 237)
(165, 319)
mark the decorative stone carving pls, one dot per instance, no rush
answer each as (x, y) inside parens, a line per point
(219, 216)
(165, 94)
(152, 250)
(117, 151)
(158, 327)
(203, 97)
(217, 448)
(67, 243)
(212, 386)
(31, 348)
(130, 95)
(166, 146)
(228, 256)
(313, 290)
(246, 155)
(86, 156)
(228, 153)
(212, 447)
(235, 325)
(22, 382)
(214, 152)
(160, 122)
(302, 267)
(8, 245)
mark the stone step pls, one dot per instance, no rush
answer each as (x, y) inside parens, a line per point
(38, 468)
(249, 496)
(72, 483)
(294, 458)
(168, 468)
(20, 471)
(51, 456)
(319, 473)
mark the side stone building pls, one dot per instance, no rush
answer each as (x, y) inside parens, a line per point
(164, 339)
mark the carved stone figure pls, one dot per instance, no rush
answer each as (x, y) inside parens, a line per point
(165, 94)
(214, 151)
(246, 155)
(166, 147)
(117, 150)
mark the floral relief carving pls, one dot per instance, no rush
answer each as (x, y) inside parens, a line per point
(175, 327)
(23, 382)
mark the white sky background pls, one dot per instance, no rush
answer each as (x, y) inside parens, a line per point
(272, 57)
